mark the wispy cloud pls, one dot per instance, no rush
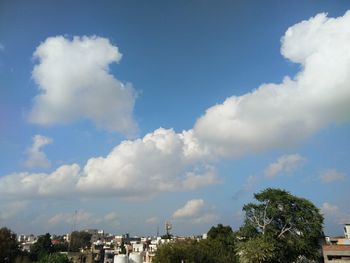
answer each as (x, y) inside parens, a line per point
(35, 156)
(80, 217)
(112, 219)
(284, 164)
(205, 219)
(11, 209)
(247, 187)
(152, 220)
(84, 218)
(335, 213)
(332, 175)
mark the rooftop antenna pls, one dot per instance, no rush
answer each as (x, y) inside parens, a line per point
(168, 227)
(75, 220)
(72, 229)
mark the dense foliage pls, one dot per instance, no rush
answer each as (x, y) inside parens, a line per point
(54, 258)
(79, 240)
(8, 245)
(41, 247)
(280, 228)
(218, 248)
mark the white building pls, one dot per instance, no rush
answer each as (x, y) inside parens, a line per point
(347, 231)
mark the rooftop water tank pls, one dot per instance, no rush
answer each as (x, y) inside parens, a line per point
(121, 259)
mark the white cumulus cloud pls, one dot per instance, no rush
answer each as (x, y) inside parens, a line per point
(195, 211)
(75, 83)
(279, 115)
(35, 156)
(161, 161)
(61, 182)
(286, 163)
(190, 209)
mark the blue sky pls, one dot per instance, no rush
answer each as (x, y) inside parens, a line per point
(134, 113)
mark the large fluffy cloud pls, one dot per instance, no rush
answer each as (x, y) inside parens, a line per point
(161, 161)
(277, 115)
(74, 82)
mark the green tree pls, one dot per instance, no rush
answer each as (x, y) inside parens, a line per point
(41, 247)
(221, 241)
(61, 247)
(281, 227)
(221, 232)
(122, 248)
(8, 245)
(79, 240)
(54, 258)
(193, 251)
(218, 248)
(257, 250)
(187, 251)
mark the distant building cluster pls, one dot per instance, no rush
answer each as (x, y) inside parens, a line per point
(108, 248)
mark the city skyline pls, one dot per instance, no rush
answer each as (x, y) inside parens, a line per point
(134, 114)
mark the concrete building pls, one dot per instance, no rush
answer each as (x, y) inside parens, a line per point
(336, 253)
(337, 249)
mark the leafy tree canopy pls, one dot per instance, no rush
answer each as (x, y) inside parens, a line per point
(8, 245)
(221, 232)
(122, 248)
(54, 258)
(79, 240)
(193, 251)
(218, 248)
(41, 247)
(292, 226)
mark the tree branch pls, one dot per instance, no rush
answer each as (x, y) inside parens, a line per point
(284, 230)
